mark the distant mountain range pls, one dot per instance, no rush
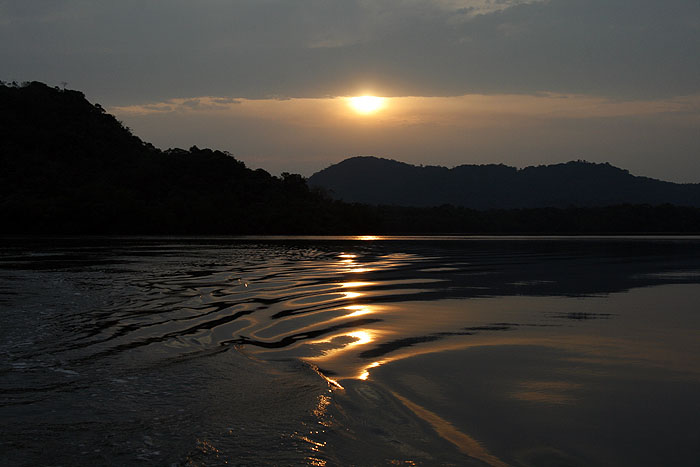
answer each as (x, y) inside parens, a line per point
(378, 181)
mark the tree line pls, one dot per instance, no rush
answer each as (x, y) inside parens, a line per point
(69, 167)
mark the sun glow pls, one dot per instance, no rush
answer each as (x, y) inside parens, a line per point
(366, 104)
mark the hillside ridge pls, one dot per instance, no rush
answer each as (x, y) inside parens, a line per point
(67, 167)
(374, 180)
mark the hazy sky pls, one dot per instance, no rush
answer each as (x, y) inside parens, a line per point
(466, 81)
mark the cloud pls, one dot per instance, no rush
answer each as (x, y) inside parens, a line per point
(132, 51)
(188, 105)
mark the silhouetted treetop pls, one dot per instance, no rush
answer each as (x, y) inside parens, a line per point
(68, 167)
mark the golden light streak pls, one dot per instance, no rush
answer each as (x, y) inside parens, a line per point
(361, 337)
(360, 270)
(357, 310)
(365, 372)
(357, 284)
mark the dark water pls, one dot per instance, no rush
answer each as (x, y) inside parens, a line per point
(296, 351)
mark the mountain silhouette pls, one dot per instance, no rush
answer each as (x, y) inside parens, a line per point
(69, 167)
(373, 180)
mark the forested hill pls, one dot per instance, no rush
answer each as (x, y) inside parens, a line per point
(67, 166)
(374, 180)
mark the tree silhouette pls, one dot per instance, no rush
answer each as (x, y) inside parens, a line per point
(68, 167)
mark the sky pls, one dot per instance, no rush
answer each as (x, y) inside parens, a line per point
(519, 82)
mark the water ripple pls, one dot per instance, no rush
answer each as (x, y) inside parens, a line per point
(71, 306)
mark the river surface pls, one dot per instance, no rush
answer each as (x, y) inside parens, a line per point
(350, 351)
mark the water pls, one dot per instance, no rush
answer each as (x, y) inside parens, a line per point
(337, 351)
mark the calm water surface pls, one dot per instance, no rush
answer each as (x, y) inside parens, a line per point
(337, 351)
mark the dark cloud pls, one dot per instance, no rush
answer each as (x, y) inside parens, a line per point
(137, 51)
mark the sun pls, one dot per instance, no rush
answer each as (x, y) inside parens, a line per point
(366, 104)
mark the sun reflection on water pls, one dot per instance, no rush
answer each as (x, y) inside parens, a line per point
(361, 270)
(356, 284)
(348, 260)
(358, 310)
(363, 337)
(357, 338)
(365, 371)
(367, 237)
